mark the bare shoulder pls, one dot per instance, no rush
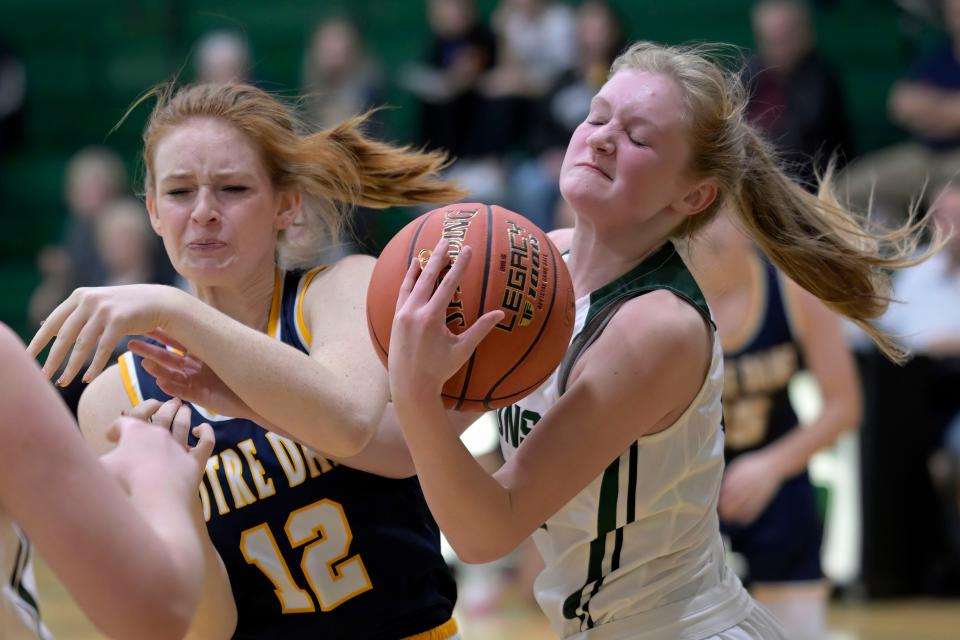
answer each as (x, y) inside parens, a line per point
(561, 238)
(660, 316)
(101, 403)
(656, 336)
(351, 268)
(345, 278)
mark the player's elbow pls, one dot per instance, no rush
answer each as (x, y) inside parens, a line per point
(480, 548)
(358, 428)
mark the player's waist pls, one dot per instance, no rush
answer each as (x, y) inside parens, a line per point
(446, 631)
(701, 616)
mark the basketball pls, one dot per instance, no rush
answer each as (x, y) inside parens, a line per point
(515, 267)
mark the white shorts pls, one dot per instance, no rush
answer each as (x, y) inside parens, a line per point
(759, 625)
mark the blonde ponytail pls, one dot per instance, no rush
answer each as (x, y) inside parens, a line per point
(841, 257)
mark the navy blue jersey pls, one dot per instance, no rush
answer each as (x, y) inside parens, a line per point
(756, 407)
(313, 549)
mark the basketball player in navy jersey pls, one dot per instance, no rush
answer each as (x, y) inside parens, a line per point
(121, 533)
(770, 329)
(313, 547)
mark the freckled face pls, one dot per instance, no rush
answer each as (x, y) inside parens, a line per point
(626, 161)
(213, 203)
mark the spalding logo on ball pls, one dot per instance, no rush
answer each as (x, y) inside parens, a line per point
(516, 268)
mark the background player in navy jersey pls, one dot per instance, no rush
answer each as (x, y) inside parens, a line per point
(770, 328)
(313, 548)
(122, 533)
(618, 468)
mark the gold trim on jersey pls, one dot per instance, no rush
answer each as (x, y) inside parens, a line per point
(273, 323)
(447, 630)
(755, 311)
(305, 336)
(128, 375)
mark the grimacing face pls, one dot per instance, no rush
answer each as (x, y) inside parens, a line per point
(213, 203)
(628, 157)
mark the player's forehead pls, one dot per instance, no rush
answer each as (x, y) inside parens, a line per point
(209, 146)
(653, 97)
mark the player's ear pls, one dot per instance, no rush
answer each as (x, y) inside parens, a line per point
(291, 203)
(151, 202)
(700, 196)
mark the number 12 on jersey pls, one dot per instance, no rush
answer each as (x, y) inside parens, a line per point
(323, 528)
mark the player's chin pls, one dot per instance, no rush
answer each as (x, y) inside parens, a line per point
(209, 270)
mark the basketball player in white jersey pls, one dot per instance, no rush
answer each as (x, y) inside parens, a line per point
(120, 532)
(615, 463)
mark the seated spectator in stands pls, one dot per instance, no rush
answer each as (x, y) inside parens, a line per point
(536, 38)
(222, 56)
(927, 318)
(599, 38)
(795, 95)
(927, 104)
(454, 116)
(340, 79)
(929, 321)
(125, 243)
(95, 177)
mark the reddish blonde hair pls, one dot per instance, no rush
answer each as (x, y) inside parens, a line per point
(335, 169)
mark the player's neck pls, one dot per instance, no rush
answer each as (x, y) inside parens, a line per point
(248, 302)
(597, 257)
(720, 277)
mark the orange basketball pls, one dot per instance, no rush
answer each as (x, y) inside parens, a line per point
(515, 267)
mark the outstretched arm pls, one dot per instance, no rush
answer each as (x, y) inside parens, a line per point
(129, 555)
(332, 400)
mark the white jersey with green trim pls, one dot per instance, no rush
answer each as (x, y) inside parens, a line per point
(638, 553)
(19, 617)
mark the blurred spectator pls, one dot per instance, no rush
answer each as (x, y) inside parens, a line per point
(95, 177)
(454, 115)
(795, 96)
(222, 56)
(926, 315)
(927, 104)
(461, 48)
(340, 79)
(95, 180)
(125, 243)
(13, 89)
(536, 37)
(599, 38)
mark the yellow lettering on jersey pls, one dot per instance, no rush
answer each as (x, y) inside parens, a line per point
(265, 488)
(213, 463)
(746, 420)
(316, 463)
(288, 455)
(767, 370)
(205, 502)
(233, 467)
